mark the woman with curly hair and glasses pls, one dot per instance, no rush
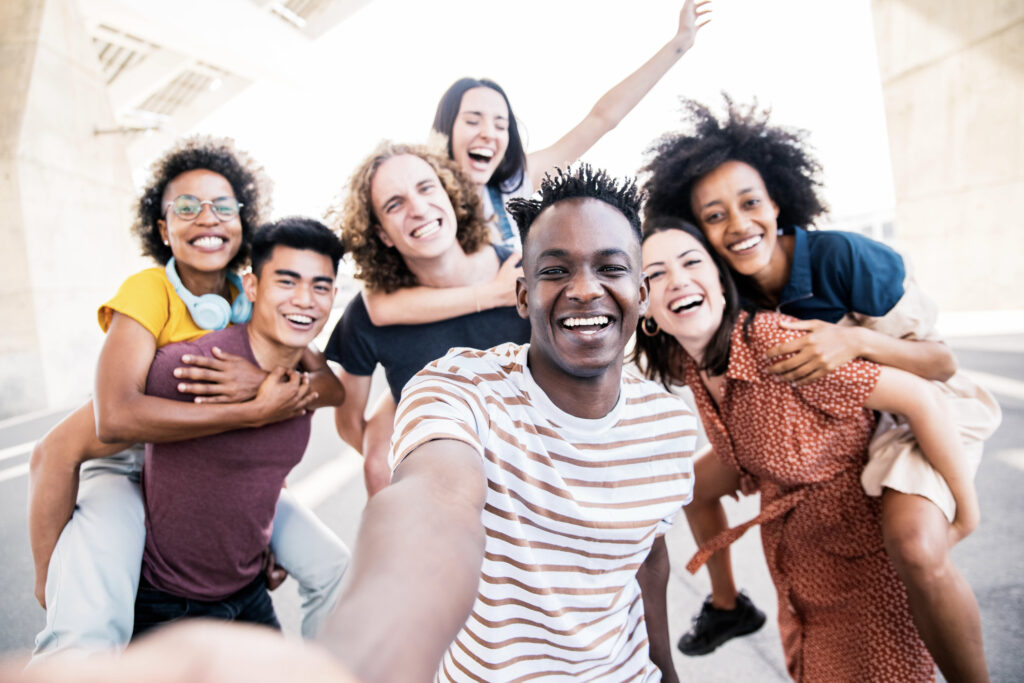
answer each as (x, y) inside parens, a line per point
(410, 218)
(752, 189)
(196, 219)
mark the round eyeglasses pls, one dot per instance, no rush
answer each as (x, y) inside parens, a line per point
(187, 208)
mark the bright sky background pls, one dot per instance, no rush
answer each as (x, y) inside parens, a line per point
(380, 73)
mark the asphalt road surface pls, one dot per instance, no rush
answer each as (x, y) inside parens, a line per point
(329, 479)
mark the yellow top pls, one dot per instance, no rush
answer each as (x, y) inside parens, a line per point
(149, 298)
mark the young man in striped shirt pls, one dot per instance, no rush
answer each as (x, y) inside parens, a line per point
(522, 534)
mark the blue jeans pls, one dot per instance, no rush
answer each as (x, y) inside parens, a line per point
(94, 570)
(252, 604)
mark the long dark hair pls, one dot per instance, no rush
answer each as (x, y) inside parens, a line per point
(510, 173)
(660, 355)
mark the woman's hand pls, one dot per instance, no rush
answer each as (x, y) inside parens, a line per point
(273, 573)
(692, 17)
(823, 349)
(282, 395)
(501, 291)
(223, 378)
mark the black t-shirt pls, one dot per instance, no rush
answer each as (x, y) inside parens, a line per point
(359, 345)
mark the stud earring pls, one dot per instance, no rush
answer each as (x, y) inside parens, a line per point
(650, 327)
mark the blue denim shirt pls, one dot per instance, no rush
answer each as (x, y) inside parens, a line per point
(835, 273)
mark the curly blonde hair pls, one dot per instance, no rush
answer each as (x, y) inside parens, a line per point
(379, 266)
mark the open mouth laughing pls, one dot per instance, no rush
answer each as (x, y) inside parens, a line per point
(745, 244)
(480, 157)
(209, 242)
(426, 230)
(686, 303)
(587, 326)
(299, 320)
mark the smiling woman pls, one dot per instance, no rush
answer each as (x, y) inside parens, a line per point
(196, 218)
(483, 139)
(804, 448)
(752, 188)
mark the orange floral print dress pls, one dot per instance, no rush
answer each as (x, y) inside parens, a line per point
(843, 612)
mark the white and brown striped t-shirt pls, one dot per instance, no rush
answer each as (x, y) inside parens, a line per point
(573, 506)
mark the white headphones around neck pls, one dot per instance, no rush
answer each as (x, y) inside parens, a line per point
(212, 311)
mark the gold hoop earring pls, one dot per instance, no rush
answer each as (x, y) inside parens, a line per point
(650, 327)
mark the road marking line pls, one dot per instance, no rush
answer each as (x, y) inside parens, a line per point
(312, 490)
(324, 481)
(15, 451)
(37, 414)
(998, 385)
(13, 472)
(1014, 457)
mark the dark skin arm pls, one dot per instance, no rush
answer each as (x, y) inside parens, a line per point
(227, 378)
(653, 579)
(826, 346)
(414, 576)
(131, 416)
(125, 413)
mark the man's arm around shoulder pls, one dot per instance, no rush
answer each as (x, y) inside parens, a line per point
(416, 567)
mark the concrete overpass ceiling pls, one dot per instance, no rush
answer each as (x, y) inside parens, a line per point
(168, 65)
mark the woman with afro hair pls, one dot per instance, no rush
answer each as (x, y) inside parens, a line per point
(195, 219)
(752, 188)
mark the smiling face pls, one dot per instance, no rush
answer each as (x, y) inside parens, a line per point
(687, 299)
(292, 296)
(582, 291)
(738, 217)
(413, 208)
(205, 244)
(480, 133)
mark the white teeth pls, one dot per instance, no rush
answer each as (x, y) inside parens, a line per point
(482, 152)
(686, 302)
(745, 244)
(600, 320)
(427, 230)
(299, 319)
(208, 241)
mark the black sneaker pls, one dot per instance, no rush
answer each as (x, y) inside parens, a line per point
(714, 626)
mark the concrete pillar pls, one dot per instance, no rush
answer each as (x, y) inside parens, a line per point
(953, 81)
(65, 203)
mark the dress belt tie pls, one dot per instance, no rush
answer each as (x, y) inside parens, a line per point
(773, 510)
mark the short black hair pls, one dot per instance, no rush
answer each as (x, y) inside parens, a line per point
(511, 172)
(581, 182)
(248, 181)
(297, 232)
(781, 156)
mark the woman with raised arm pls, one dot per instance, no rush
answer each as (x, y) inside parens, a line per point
(843, 610)
(752, 188)
(195, 218)
(483, 138)
(410, 218)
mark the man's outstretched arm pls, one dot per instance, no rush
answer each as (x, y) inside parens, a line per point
(416, 567)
